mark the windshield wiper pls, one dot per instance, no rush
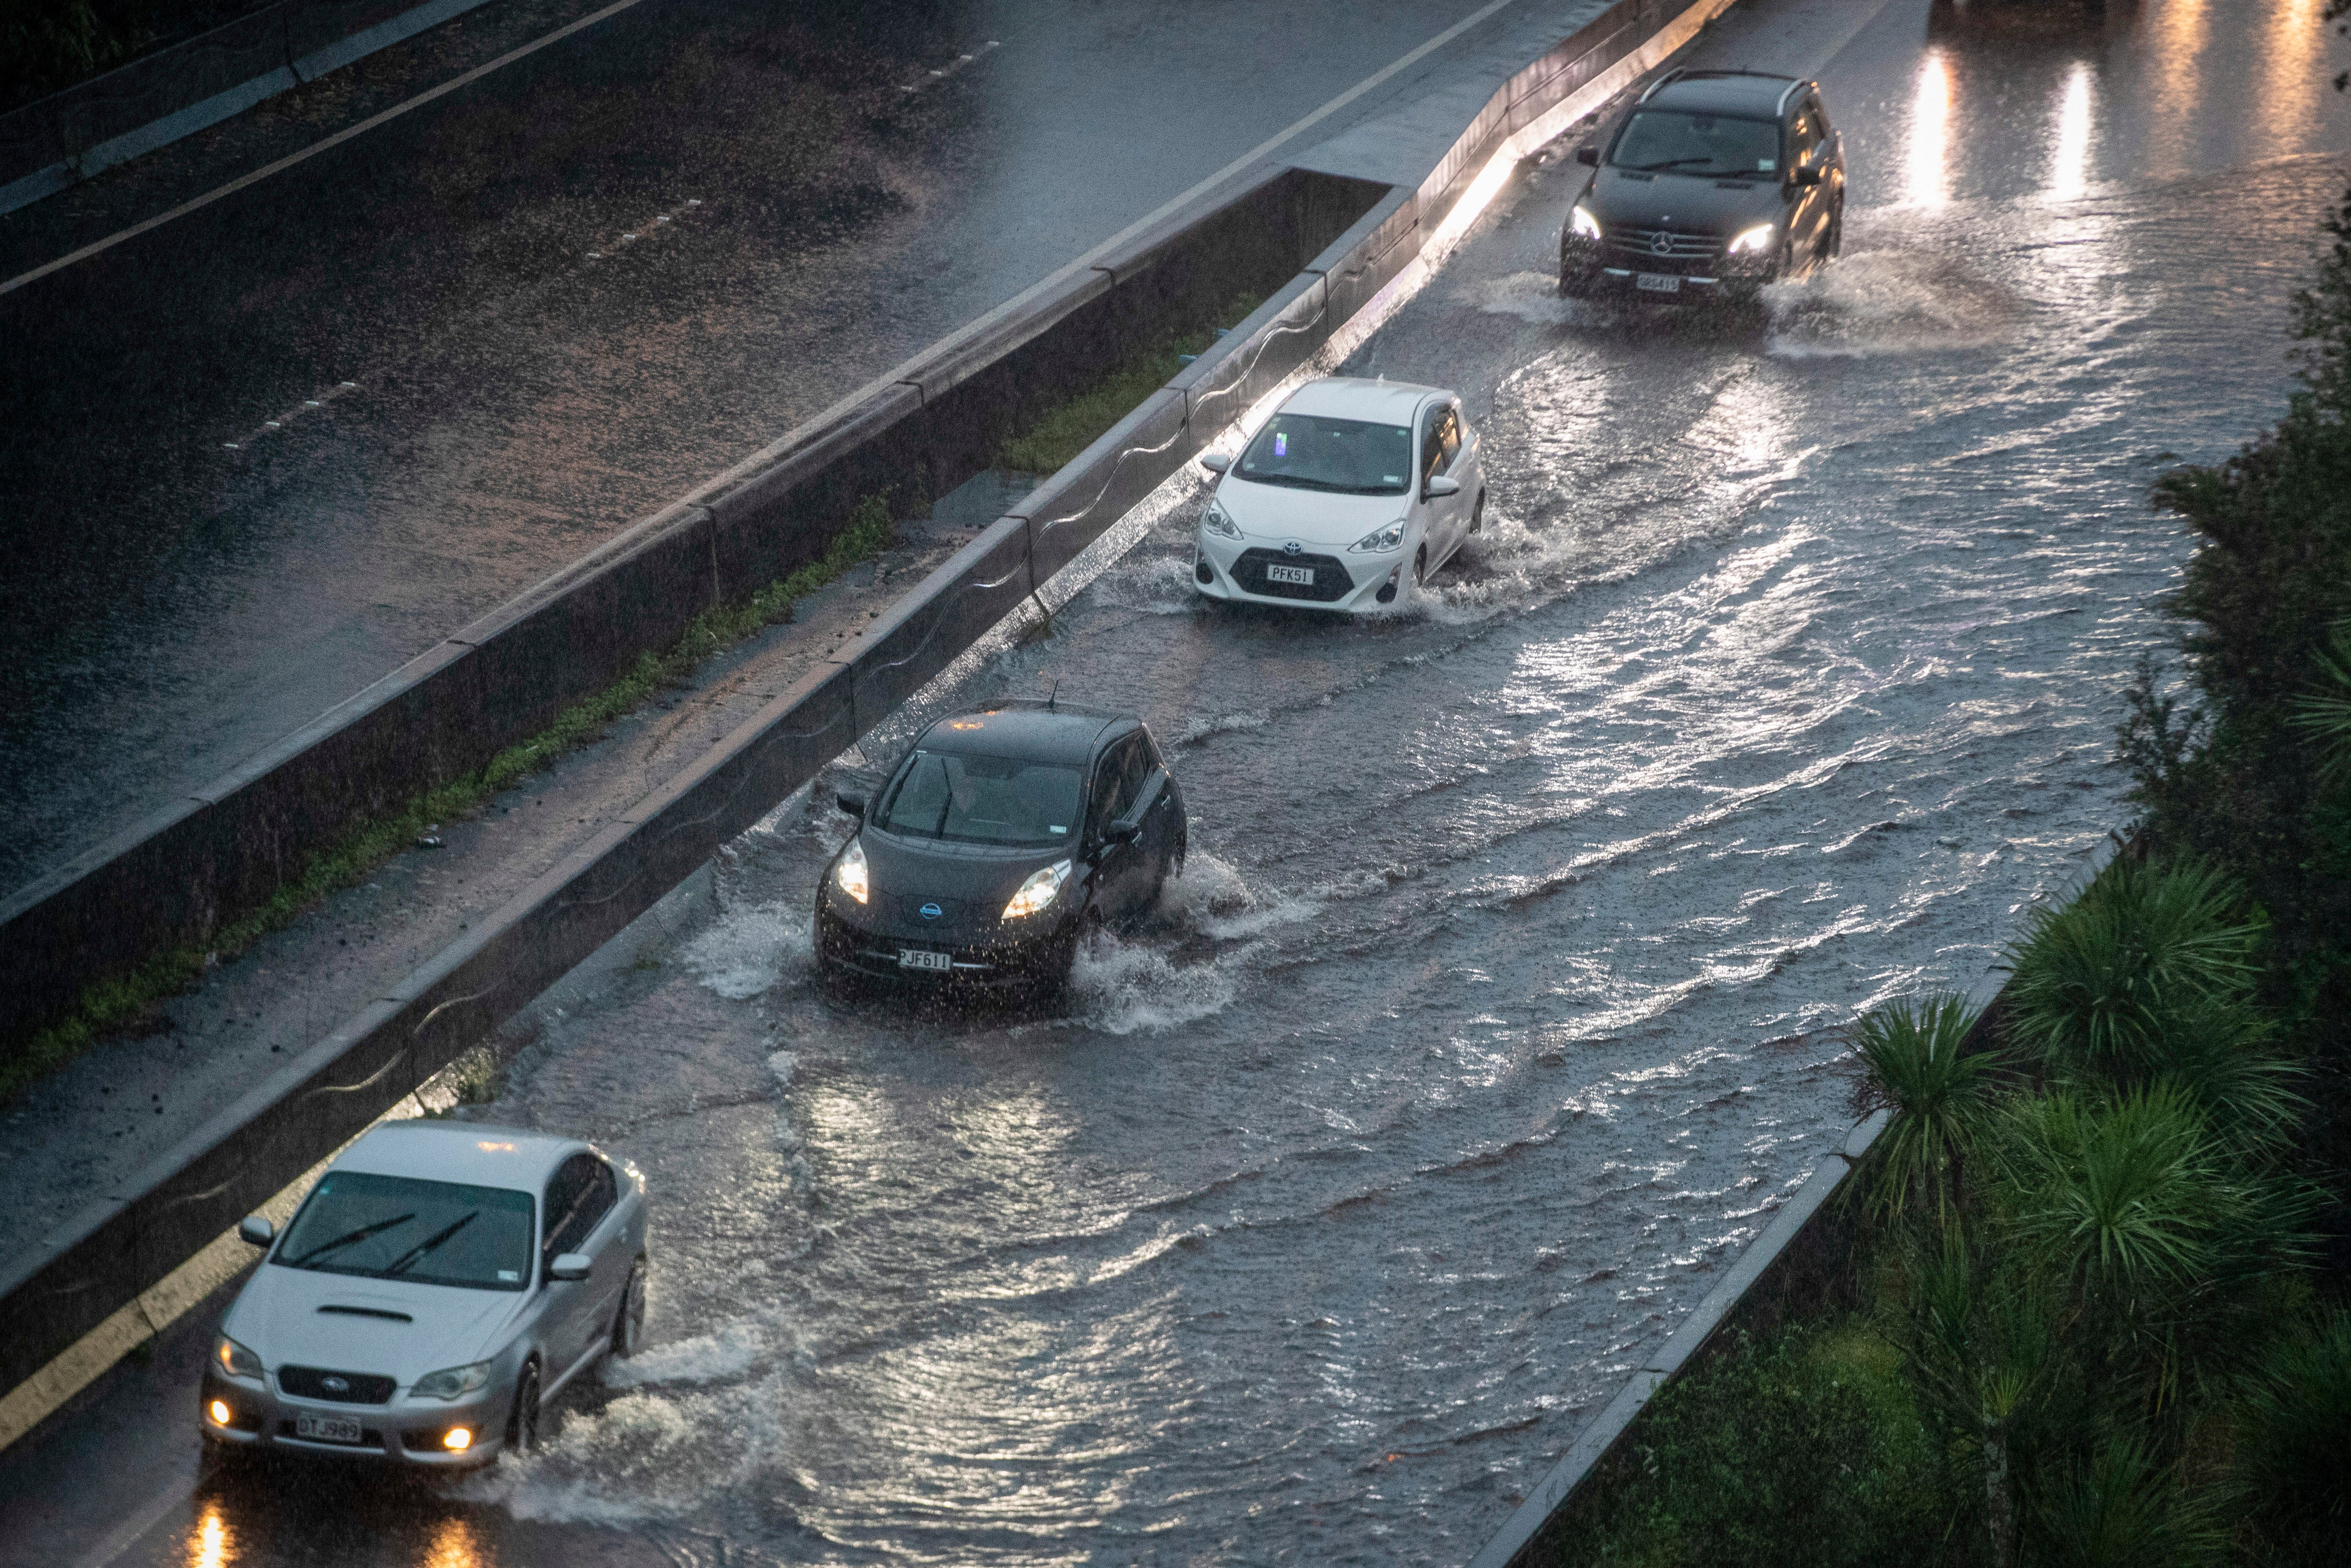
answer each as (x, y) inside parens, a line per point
(1670, 163)
(430, 1242)
(361, 1234)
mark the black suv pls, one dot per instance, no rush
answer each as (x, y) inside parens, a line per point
(1716, 184)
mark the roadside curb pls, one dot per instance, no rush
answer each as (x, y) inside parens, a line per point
(93, 125)
(1363, 245)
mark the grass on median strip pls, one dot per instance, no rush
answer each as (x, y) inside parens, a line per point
(1053, 439)
(121, 1003)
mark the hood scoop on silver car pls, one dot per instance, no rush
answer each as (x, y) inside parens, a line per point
(369, 1312)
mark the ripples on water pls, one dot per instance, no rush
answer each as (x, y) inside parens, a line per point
(1498, 1005)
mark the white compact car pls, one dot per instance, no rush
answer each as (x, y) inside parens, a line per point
(440, 1281)
(1351, 484)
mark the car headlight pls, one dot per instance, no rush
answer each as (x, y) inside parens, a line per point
(1038, 890)
(1581, 222)
(849, 871)
(1754, 241)
(235, 1360)
(452, 1382)
(1216, 522)
(1386, 539)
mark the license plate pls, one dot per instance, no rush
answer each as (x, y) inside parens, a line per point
(1658, 282)
(326, 1428)
(1303, 576)
(915, 959)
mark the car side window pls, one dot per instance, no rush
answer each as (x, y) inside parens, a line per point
(1806, 139)
(1119, 780)
(1432, 456)
(1448, 436)
(582, 1192)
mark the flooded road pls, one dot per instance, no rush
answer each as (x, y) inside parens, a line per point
(1496, 1007)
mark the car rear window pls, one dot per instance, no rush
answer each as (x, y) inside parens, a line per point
(399, 1227)
(981, 800)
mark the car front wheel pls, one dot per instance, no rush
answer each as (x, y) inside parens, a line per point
(522, 1426)
(629, 1322)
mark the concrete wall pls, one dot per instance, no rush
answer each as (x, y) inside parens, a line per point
(501, 678)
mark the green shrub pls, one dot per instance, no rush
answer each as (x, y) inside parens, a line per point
(1803, 1449)
(2294, 1444)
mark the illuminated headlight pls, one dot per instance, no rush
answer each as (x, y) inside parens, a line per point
(452, 1382)
(457, 1439)
(1039, 891)
(1216, 522)
(235, 1360)
(1386, 539)
(1582, 224)
(1754, 241)
(849, 874)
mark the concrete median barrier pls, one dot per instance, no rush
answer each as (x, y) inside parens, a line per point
(1320, 246)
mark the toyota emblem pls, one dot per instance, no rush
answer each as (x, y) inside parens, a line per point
(1292, 548)
(336, 1384)
(931, 912)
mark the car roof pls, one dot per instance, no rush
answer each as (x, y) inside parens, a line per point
(1025, 731)
(1726, 92)
(474, 1153)
(1352, 397)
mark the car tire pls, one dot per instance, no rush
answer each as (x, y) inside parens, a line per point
(1477, 513)
(1420, 568)
(522, 1424)
(1833, 242)
(629, 1322)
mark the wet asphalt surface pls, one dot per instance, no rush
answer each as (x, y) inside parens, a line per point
(1498, 1005)
(776, 221)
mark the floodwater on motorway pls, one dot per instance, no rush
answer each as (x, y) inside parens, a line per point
(1497, 1006)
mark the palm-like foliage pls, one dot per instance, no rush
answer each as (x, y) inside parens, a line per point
(2325, 715)
(2295, 1443)
(2097, 982)
(2121, 1200)
(1941, 1096)
(2121, 1509)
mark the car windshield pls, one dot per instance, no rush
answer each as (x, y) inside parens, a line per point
(1686, 142)
(397, 1227)
(1311, 452)
(981, 800)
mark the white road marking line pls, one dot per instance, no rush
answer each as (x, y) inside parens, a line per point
(337, 140)
(126, 1534)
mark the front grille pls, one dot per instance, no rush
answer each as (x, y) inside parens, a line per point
(311, 1382)
(1331, 579)
(1671, 249)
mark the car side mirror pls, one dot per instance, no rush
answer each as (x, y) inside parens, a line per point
(1804, 178)
(853, 804)
(1441, 484)
(1588, 156)
(1122, 833)
(255, 1231)
(570, 1266)
(1216, 462)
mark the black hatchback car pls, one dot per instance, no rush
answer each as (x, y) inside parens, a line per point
(1715, 183)
(999, 837)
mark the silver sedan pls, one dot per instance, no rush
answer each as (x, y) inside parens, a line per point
(441, 1283)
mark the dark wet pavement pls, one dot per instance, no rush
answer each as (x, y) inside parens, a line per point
(1498, 1003)
(181, 582)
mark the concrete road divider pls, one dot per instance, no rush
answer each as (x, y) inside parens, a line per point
(1320, 246)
